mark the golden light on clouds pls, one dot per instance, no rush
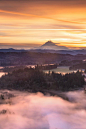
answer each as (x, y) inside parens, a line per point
(35, 22)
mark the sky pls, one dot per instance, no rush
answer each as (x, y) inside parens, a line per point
(28, 23)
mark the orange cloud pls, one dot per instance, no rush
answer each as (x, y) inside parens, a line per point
(36, 21)
(38, 16)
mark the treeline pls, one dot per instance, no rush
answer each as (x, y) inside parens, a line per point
(81, 65)
(35, 80)
(70, 62)
(46, 67)
(40, 67)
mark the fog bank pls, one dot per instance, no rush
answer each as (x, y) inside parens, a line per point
(22, 110)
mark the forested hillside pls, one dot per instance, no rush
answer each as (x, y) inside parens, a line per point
(35, 80)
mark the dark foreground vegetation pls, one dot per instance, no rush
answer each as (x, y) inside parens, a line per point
(34, 80)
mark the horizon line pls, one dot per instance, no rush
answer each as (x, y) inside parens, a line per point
(44, 29)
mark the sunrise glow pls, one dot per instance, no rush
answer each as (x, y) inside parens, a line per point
(35, 22)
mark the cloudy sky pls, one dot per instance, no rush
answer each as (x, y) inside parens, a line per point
(33, 22)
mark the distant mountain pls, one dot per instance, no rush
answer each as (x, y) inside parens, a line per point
(71, 52)
(48, 47)
(52, 46)
(11, 50)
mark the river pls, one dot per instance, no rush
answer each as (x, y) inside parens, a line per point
(61, 69)
(2, 73)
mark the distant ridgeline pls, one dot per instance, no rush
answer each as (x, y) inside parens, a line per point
(35, 80)
(37, 57)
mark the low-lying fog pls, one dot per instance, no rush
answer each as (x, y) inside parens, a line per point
(22, 110)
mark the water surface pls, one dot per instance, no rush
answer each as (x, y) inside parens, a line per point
(2, 73)
(61, 69)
